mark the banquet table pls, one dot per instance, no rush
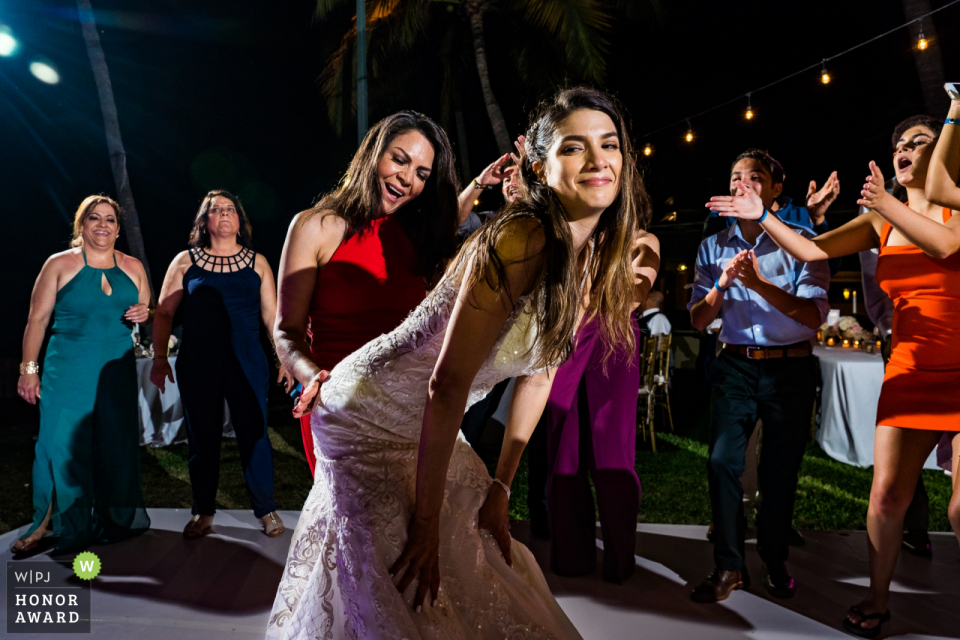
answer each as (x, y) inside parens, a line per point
(161, 414)
(851, 381)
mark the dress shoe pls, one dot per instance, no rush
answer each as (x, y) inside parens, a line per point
(918, 543)
(718, 586)
(198, 526)
(777, 580)
(272, 524)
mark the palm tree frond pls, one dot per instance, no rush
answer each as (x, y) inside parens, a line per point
(580, 25)
(324, 8)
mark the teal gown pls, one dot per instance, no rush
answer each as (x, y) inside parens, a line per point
(88, 453)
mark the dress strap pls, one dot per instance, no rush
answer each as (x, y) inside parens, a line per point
(193, 255)
(885, 234)
(946, 214)
(115, 258)
(84, 255)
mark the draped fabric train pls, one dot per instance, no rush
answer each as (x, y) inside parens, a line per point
(354, 524)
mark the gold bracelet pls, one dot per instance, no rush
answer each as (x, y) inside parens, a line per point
(29, 368)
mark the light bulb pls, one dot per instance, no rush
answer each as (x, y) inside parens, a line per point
(824, 76)
(922, 44)
(689, 136)
(476, 203)
(749, 114)
(648, 150)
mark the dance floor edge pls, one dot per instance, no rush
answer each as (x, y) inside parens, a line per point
(160, 586)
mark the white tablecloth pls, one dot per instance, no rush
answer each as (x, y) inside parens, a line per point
(848, 405)
(161, 414)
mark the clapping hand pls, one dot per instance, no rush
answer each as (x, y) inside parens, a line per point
(494, 173)
(729, 273)
(745, 204)
(747, 268)
(309, 395)
(819, 201)
(138, 313)
(874, 193)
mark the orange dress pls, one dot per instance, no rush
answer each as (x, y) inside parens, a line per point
(921, 387)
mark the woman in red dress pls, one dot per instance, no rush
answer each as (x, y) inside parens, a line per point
(358, 262)
(919, 268)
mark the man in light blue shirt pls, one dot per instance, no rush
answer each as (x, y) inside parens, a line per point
(772, 305)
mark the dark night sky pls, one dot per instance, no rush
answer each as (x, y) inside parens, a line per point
(223, 94)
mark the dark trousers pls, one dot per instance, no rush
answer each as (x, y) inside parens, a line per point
(203, 388)
(780, 392)
(592, 420)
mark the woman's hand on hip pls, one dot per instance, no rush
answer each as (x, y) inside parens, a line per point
(421, 557)
(495, 519)
(28, 386)
(159, 373)
(138, 313)
(310, 394)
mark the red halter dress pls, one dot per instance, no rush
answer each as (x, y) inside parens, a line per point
(366, 289)
(922, 378)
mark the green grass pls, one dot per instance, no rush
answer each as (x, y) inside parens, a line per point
(830, 495)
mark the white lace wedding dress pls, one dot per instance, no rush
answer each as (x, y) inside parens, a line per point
(354, 524)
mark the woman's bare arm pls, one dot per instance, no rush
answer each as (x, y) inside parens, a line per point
(646, 265)
(944, 169)
(171, 293)
(42, 301)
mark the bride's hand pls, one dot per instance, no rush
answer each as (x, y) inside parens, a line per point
(309, 395)
(745, 204)
(495, 519)
(421, 557)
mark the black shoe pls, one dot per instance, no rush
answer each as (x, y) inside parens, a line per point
(718, 586)
(777, 580)
(918, 543)
(795, 538)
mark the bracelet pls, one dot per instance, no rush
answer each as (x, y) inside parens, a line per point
(29, 368)
(955, 121)
(763, 217)
(477, 185)
(503, 485)
(716, 285)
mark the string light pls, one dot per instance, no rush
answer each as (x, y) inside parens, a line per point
(689, 136)
(824, 76)
(476, 203)
(749, 113)
(922, 43)
(648, 150)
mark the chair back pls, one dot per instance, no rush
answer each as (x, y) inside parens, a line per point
(663, 359)
(648, 361)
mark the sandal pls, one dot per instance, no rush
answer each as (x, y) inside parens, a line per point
(864, 632)
(273, 527)
(193, 531)
(27, 546)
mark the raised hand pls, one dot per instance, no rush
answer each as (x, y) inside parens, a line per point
(748, 271)
(874, 193)
(819, 201)
(494, 173)
(138, 313)
(309, 395)
(495, 519)
(520, 144)
(421, 557)
(746, 204)
(159, 373)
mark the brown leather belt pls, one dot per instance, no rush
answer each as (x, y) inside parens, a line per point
(798, 350)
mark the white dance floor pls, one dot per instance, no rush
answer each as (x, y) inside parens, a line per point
(160, 586)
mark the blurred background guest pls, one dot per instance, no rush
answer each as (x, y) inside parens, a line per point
(652, 320)
(226, 288)
(86, 476)
(356, 264)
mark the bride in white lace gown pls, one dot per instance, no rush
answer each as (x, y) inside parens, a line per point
(404, 534)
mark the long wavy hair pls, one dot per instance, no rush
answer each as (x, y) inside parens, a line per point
(557, 291)
(200, 237)
(88, 204)
(429, 220)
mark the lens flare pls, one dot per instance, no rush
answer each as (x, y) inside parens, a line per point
(44, 72)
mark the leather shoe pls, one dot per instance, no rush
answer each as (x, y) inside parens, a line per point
(918, 543)
(198, 526)
(718, 586)
(777, 580)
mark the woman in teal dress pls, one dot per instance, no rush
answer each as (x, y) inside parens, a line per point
(86, 476)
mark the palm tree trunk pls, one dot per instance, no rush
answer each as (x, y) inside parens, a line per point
(929, 62)
(111, 125)
(493, 107)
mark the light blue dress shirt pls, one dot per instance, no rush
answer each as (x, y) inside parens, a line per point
(748, 319)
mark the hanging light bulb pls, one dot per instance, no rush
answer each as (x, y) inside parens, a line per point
(648, 150)
(749, 113)
(922, 43)
(824, 76)
(689, 136)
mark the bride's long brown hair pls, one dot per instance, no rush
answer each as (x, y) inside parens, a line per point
(556, 293)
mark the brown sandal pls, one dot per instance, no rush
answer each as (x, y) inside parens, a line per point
(22, 545)
(193, 531)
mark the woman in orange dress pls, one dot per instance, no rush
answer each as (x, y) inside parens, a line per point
(919, 268)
